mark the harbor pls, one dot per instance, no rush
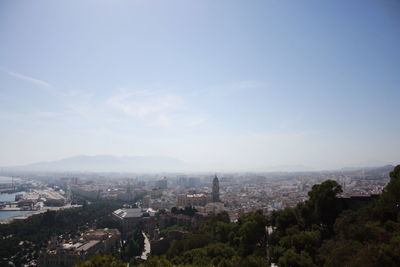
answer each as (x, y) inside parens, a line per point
(21, 198)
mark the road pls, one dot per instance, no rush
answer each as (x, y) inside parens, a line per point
(146, 250)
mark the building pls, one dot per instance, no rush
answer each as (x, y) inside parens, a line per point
(192, 200)
(146, 202)
(128, 195)
(183, 182)
(110, 238)
(156, 193)
(215, 208)
(67, 253)
(129, 219)
(88, 191)
(162, 184)
(215, 190)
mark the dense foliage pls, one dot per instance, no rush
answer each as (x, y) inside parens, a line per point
(219, 243)
(369, 236)
(22, 240)
(133, 246)
(319, 232)
(101, 261)
(189, 211)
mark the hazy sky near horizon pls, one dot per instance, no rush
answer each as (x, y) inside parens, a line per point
(229, 85)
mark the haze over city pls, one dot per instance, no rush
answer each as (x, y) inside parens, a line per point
(149, 133)
(222, 86)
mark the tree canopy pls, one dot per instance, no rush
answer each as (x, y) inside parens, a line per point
(101, 261)
(320, 232)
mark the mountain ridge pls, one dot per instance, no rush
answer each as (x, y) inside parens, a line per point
(106, 163)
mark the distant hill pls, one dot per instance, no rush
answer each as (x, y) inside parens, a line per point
(368, 169)
(290, 168)
(152, 164)
(107, 163)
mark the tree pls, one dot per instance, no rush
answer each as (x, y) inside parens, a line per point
(299, 231)
(221, 231)
(174, 210)
(134, 245)
(323, 200)
(293, 259)
(101, 261)
(251, 232)
(284, 218)
(389, 202)
(38, 229)
(157, 262)
(48, 218)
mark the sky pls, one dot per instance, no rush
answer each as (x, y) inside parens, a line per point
(227, 85)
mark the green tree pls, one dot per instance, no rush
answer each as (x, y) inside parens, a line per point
(326, 205)
(101, 261)
(284, 218)
(251, 232)
(293, 259)
(389, 202)
(134, 245)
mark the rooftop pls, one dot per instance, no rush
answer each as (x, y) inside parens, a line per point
(196, 195)
(88, 245)
(129, 213)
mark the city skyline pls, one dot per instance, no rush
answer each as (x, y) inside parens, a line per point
(228, 85)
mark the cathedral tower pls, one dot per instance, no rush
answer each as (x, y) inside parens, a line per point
(215, 190)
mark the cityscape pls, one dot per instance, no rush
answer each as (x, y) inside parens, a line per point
(229, 133)
(144, 198)
(238, 193)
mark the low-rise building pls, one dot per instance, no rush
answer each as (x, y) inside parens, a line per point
(67, 253)
(129, 219)
(192, 200)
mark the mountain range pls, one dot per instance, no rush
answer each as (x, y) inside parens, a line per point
(144, 164)
(107, 163)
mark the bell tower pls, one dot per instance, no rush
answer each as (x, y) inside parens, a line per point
(215, 190)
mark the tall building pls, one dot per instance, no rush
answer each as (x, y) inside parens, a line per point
(162, 184)
(215, 190)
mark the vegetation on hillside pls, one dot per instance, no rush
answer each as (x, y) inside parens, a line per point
(189, 211)
(133, 247)
(319, 232)
(22, 240)
(101, 261)
(219, 243)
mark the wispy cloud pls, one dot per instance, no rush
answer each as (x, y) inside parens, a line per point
(37, 82)
(196, 121)
(149, 106)
(156, 108)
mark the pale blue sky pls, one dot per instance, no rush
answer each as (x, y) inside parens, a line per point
(229, 85)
